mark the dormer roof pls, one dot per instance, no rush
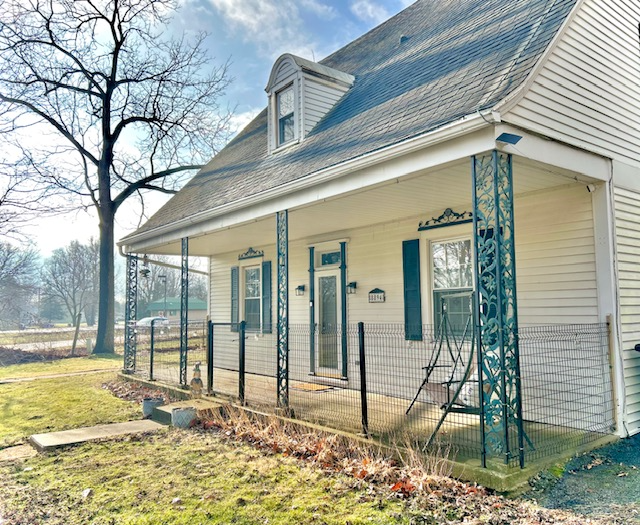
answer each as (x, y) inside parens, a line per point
(307, 66)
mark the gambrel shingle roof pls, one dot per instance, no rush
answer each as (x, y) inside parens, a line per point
(457, 57)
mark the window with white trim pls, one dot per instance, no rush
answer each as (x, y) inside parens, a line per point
(285, 112)
(452, 280)
(252, 297)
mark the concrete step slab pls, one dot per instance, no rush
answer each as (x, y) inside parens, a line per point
(53, 440)
(162, 414)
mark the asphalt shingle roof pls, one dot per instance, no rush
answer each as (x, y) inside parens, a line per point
(458, 57)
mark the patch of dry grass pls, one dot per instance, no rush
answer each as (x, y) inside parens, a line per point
(431, 496)
(46, 364)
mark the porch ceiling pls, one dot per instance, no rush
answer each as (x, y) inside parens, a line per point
(421, 195)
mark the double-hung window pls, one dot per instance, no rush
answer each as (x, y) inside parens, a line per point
(252, 297)
(285, 102)
(452, 269)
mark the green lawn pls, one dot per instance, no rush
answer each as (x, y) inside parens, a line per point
(139, 481)
(201, 477)
(48, 405)
(62, 366)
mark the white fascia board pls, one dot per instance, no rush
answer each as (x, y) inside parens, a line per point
(548, 151)
(467, 137)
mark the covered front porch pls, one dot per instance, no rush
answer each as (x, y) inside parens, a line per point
(336, 303)
(566, 390)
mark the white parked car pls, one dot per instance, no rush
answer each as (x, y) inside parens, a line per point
(159, 321)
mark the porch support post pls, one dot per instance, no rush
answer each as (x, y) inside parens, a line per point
(282, 244)
(184, 308)
(343, 301)
(130, 315)
(496, 317)
(312, 311)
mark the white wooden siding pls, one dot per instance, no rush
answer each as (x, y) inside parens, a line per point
(555, 258)
(588, 92)
(319, 98)
(627, 206)
(286, 72)
(556, 269)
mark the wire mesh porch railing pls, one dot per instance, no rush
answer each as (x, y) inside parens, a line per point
(158, 350)
(567, 396)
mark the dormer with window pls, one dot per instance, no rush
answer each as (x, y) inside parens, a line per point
(300, 93)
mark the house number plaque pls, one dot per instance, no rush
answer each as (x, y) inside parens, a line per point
(376, 296)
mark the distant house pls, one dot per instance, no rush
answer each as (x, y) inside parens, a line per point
(171, 309)
(462, 153)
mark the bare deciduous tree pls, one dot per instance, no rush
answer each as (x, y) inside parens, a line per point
(125, 107)
(23, 197)
(68, 276)
(18, 283)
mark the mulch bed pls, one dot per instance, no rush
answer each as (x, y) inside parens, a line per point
(130, 391)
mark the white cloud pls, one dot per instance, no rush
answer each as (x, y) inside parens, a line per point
(324, 11)
(240, 120)
(369, 11)
(275, 26)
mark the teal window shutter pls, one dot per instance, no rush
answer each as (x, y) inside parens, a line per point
(266, 297)
(412, 299)
(235, 292)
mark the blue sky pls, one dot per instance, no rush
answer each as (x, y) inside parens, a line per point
(254, 33)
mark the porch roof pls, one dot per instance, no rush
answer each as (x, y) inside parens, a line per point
(455, 59)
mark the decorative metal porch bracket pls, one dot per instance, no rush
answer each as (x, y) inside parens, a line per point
(130, 314)
(282, 242)
(497, 313)
(184, 309)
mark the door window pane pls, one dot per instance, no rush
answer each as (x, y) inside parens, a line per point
(330, 259)
(328, 338)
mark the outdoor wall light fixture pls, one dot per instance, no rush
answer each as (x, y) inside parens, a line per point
(300, 290)
(509, 138)
(351, 287)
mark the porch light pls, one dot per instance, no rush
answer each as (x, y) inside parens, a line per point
(300, 290)
(351, 287)
(144, 272)
(509, 138)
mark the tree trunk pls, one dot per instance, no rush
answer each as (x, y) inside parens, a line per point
(106, 318)
(75, 334)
